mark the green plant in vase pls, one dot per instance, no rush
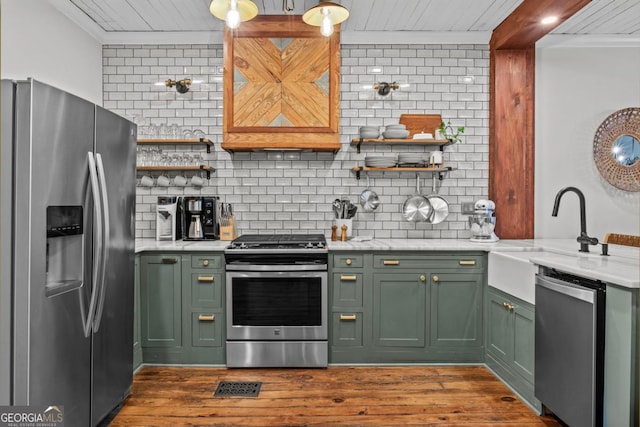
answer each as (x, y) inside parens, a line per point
(447, 131)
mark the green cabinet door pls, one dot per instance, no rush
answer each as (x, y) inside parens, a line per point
(137, 348)
(206, 330)
(456, 310)
(161, 302)
(399, 309)
(206, 289)
(499, 327)
(523, 340)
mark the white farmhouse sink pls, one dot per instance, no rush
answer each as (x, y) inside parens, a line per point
(513, 273)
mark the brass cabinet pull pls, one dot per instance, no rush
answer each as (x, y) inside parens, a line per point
(423, 278)
(348, 278)
(507, 306)
(348, 261)
(205, 262)
(467, 262)
(205, 278)
(207, 317)
(347, 317)
(436, 278)
(169, 260)
(391, 262)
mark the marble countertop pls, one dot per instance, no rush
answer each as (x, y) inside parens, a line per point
(622, 267)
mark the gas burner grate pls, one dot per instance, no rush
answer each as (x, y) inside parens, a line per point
(244, 389)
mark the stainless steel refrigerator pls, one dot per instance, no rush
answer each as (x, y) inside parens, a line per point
(66, 252)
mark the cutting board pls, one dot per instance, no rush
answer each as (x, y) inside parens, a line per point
(416, 123)
(622, 239)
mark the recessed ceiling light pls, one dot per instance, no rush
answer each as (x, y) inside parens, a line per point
(549, 20)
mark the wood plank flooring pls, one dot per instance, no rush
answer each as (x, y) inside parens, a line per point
(336, 396)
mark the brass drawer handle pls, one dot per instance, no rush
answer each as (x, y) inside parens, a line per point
(507, 306)
(169, 260)
(436, 278)
(205, 278)
(205, 262)
(467, 262)
(347, 317)
(348, 261)
(423, 278)
(207, 317)
(348, 278)
(391, 262)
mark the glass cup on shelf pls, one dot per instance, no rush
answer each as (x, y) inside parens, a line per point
(174, 131)
(197, 160)
(164, 132)
(187, 160)
(198, 133)
(154, 131)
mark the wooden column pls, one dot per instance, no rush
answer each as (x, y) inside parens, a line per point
(511, 146)
(511, 115)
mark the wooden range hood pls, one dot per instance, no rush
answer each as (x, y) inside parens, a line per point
(281, 86)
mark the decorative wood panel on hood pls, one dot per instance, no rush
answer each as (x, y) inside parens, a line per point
(281, 86)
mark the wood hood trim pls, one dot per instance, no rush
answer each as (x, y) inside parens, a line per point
(277, 69)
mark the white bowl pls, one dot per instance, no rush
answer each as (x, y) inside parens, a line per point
(369, 134)
(395, 127)
(395, 134)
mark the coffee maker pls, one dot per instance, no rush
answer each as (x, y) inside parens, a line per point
(168, 218)
(482, 222)
(199, 219)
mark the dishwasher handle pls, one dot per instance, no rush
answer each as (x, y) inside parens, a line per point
(566, 288)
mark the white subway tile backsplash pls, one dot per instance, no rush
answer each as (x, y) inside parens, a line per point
(293, 191)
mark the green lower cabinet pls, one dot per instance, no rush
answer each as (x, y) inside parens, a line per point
(161, 301)
(510, 342)
(400, 309)
(182, 308)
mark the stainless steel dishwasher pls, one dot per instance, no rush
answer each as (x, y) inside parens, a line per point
(569, 347)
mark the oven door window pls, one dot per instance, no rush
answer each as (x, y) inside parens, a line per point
(277, 301)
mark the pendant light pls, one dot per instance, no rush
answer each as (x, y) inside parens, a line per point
(233, 11)
(325, 15)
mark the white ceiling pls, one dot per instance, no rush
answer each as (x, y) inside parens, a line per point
(370, 21)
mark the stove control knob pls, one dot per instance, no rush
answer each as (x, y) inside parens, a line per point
(309, 245)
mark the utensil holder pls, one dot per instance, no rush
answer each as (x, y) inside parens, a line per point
(229, 232)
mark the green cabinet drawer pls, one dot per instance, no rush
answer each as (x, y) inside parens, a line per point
(395, 261)
(347, 289)
(206, 289)
(206, 261)
(348, 261)
(206, 329)
(346, 329)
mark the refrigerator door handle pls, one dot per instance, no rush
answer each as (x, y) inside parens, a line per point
(105, 244)
(87, 317)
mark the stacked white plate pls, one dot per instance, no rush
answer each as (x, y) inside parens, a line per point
(380, 161)
(411, 159)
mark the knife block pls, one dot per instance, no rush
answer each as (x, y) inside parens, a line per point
(229, 232)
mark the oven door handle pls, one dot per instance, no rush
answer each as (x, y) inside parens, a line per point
(262, 267)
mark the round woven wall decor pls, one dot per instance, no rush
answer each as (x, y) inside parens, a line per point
(622, 123)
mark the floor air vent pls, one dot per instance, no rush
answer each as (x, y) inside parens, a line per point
(228, 388)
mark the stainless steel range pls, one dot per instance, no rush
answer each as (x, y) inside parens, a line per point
(277, 301)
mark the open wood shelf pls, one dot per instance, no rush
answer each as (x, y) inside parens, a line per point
(178, 141)
(438, 170)
(207, 169)
(441, 143)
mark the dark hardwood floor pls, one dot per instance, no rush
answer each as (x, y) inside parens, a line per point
(336, 396)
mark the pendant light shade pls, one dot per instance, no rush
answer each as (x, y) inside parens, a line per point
(233, 11)
(325, 15)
